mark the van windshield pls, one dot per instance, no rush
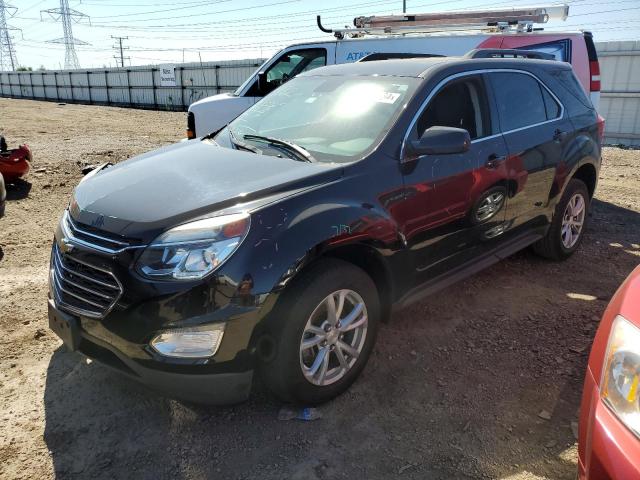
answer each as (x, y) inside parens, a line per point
(335, 119)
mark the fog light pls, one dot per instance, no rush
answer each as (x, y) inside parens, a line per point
(201, 342)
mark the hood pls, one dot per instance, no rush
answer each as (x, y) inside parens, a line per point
(214, 98)
(165, 187)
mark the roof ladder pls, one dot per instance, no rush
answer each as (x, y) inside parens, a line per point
(520, 19)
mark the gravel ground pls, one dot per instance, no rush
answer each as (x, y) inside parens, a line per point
(480, 381)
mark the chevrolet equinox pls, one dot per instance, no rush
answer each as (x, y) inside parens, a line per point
(278, 244)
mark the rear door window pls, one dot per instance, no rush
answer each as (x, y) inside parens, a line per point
(522, 101)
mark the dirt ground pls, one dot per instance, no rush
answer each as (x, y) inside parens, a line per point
(454, 390)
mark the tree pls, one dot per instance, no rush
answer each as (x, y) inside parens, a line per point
(24, 69)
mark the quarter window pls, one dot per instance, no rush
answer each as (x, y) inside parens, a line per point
(522, 101)
(551, 106)
(461, 104)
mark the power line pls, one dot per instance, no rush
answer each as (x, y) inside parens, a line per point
(7, 51)
(121, 49)
(67, 15)
(181, 7)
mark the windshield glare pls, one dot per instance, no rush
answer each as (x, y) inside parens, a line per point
(337, 119)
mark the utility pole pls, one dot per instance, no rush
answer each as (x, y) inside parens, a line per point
(404, 6)
(121, 49)
(67, 15)
(7, 52)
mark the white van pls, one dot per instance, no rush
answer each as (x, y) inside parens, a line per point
(212, 113)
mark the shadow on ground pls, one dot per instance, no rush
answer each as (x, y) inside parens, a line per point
(18, 190)
(454, 390)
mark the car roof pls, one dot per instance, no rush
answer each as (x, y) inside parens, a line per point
(422, 67)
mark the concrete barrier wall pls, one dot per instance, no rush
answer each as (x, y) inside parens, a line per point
(620, 95)
(138, 87)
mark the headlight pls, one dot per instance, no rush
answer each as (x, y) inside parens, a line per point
(201, 342)
(193, 250)
(621, 375)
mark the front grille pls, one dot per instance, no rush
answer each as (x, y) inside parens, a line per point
(94, 237)
(82, 288)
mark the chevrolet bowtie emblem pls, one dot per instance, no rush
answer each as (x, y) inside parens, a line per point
(98, 222)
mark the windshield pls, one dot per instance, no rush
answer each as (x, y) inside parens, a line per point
(336, 119)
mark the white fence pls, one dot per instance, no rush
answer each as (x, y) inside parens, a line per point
(140, 86)
(620, 96)
(129, 87)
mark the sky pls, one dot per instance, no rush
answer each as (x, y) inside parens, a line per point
(166, 31)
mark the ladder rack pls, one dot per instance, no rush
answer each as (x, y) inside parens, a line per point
(518, 19)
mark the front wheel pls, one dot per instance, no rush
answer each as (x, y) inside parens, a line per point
(568, 225)
(324, 333)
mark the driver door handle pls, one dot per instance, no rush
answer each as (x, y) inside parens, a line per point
(494, 161)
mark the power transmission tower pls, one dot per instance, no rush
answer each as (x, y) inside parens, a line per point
(67, 15)
(122, 49)
(8, 59)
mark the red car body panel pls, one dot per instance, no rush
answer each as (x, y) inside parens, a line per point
(15, 163)
(607, 449)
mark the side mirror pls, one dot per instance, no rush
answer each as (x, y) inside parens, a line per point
(263, 85)
(438, 141)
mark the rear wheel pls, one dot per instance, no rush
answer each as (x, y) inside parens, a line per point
(324, 333)
(569, 222)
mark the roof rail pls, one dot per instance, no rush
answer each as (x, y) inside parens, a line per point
(519, 19)
(396, 55)
(508, 53)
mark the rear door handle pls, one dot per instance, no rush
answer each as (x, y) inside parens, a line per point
(494, 161)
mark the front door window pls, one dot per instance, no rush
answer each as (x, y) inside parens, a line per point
(289, 65)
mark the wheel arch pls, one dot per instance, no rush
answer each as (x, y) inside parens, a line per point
(373, 264)
(588, 173)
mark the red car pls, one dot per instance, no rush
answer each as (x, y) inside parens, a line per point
(14, 163)
(609, 438)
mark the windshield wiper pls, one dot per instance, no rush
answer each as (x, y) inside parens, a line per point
(238, 144)
(300, 152)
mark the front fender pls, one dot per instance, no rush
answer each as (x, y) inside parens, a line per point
(293, 236)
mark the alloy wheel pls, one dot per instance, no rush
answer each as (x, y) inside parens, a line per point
(573, 220)
(333, 337)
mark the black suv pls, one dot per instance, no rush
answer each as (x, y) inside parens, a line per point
(278, 244)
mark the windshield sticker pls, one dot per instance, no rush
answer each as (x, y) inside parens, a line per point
(388, 97)
(310, 99)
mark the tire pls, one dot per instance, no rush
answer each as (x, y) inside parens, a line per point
(553, 245)
(303, 307)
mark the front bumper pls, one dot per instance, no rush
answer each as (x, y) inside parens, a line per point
(185, 381)
(607, 449)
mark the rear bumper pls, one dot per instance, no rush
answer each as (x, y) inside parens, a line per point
(607, 449)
